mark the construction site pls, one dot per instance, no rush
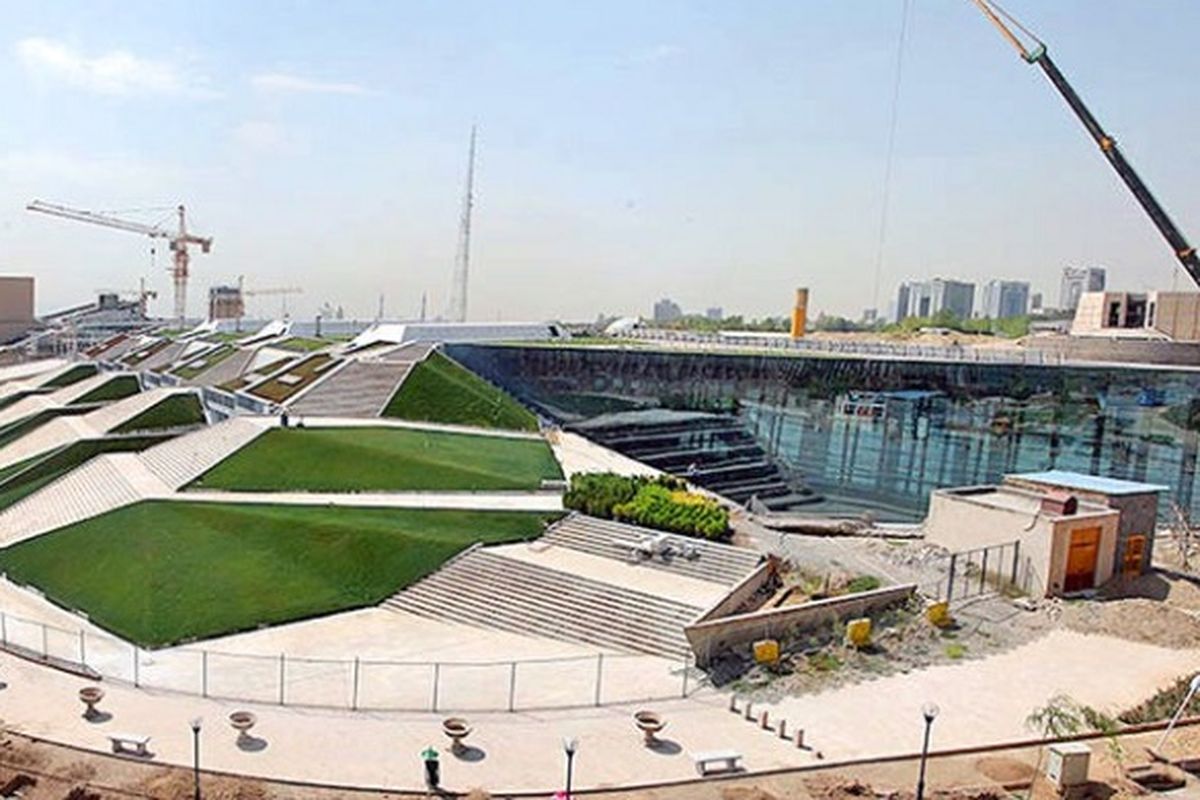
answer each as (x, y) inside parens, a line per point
(249, 549)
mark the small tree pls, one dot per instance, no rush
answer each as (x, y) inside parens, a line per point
(1060, 717)
(1183, 535)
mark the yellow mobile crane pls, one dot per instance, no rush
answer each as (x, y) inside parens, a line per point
(1108, 145)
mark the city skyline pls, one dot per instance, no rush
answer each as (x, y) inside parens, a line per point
(683, 151)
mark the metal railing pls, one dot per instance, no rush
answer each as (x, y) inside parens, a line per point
(366, 684)
(959, 354)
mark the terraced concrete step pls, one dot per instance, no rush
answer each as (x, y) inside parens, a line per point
(360, 389)
(716, 562)
(180, 461)
(489, 590)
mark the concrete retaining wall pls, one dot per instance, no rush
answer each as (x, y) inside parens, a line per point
(742, 596)
(713, 636)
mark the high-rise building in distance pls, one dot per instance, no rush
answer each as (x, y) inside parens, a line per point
(1076, 281)
(1004, 299)
(667, 310)
(927, 298)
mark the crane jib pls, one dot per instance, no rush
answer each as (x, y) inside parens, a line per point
(1158, 215)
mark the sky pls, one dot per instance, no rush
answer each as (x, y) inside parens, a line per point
(715, 153)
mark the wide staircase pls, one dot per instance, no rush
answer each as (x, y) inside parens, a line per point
(180, 461)
(714, 562)
(102, 484)
(360, 389)
(488, 590)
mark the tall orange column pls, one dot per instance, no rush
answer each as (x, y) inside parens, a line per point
(800, 314)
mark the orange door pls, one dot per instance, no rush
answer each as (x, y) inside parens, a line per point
(1081, 559)
(1135, 549)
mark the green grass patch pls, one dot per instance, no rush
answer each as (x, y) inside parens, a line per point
(955, 650)
(303, 344)
(138, 356)
(296, 378)
(175, 411)
(75, 374)
(118, 388)
(440, 390)
(204, 363)
(158, 573)
(381, 459)
(21, 480)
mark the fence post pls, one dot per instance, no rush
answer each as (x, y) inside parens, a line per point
(354, 698)
(204, 673)
(599, 675)
(136, 681)
(282, 676)
(82, 649)
(983, 572)
(950, 580)
(685, 675)
(1016, 557)
(4, 628)
(512, 685)
(437, 669)
(45, 645)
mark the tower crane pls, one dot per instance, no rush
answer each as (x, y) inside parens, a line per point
(178, 240)
(1108, 145)
(284, 291)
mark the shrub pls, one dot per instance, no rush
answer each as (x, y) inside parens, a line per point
(662, 503)
(863, 583)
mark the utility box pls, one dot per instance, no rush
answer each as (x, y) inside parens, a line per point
(1068, 764)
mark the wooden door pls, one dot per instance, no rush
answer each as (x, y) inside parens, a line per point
(1081, 559)
(1135, 550)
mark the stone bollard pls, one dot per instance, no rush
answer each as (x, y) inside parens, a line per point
(749, 711)
(800, 739)
(733, 703)
(764, 723)
(782, 728)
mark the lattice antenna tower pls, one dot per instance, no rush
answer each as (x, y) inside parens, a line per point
(462, 260)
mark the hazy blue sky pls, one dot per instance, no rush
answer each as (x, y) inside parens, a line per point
(718, 153)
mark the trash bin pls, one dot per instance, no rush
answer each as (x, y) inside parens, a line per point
(432, 767)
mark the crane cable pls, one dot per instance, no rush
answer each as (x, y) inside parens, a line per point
(891, 152)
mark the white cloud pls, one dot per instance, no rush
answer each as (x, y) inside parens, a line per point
(61, 168)
(281, 82)
(261, 136)
(650, 55)
(117, 72)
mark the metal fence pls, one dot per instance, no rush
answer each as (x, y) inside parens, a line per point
(996, 569)
(357, 683)
(886, 350)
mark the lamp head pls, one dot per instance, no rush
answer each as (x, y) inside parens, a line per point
(930, 711)
(570, 745)
(196, 723)
(1195, 684)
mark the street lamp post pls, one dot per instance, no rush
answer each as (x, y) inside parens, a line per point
(196, 722)
(929, 711)
(569, 748)
(1193, 687)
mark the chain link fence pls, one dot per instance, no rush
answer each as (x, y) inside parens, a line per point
(357, 683)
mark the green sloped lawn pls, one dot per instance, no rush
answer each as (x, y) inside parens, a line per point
(381, 459)
(23, 479)
(441, 390)
(170, 412)
(162, 572)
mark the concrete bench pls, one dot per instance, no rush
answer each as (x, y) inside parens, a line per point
(717, 761)
(130, 743)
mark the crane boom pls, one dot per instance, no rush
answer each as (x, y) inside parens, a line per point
(178, 240)
(1108, 145)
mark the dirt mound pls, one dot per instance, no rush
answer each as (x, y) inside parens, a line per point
(747, 793)
(1136, 620)
(1004, 770)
